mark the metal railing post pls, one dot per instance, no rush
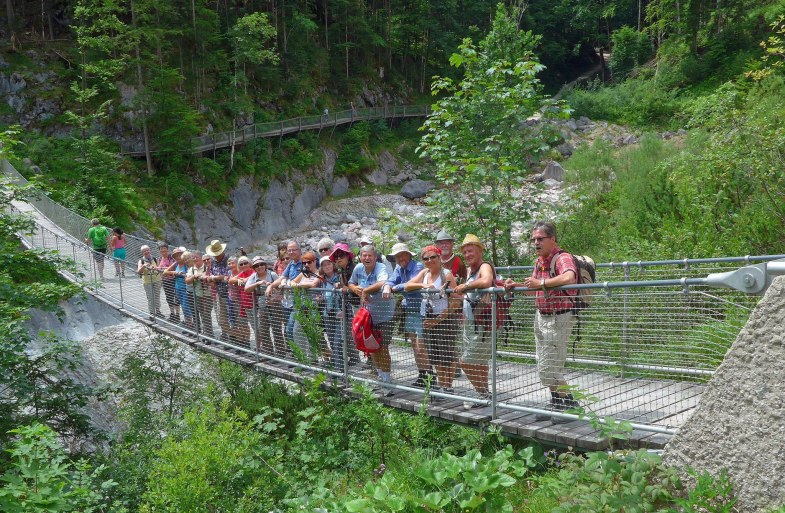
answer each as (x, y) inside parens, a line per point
(120, 283)
(624, 321)
(493, 356)
(344, 338)
(255, 315)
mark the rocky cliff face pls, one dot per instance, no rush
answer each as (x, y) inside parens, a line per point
(254, 216)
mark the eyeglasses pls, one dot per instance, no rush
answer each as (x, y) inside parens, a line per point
(341, 255)
(308, 261)
(258, 265)
(324, 250)
(428, 259)
(242, 264)
(538, 239)
(292, 250)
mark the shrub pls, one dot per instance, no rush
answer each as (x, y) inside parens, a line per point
(630, 50)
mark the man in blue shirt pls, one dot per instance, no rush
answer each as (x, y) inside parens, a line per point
(293, 269)
(407, 268)
(367, 281)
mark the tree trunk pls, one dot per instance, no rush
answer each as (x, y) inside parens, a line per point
(146, 137)
(11, 17)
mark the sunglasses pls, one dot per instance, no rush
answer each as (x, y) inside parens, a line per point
(308, 261)
(428, 259)
(324, 250)
(258, 265)
(242, 264)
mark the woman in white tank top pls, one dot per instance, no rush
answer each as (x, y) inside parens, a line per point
(439, 311)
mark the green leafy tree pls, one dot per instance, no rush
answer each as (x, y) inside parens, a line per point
(34, 384)
(43, 479)
(478, 136)
(631, 49)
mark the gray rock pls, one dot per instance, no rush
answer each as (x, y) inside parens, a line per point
(551, 183)
(11, 84)
(377, 177)
(681, 131)
(740, 421)
(571, 124)
(340, 186)
(388, 163)
(629, 139)
(339, 236)
(667, 135)
(17, 103)
(416, 189)
(565, 149)
(553, 171)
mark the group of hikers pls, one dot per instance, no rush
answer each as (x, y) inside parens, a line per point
(443, 311)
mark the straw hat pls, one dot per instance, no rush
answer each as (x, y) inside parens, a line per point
(472, 239)
(215, 248)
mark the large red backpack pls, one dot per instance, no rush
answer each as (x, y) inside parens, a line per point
(366, 338)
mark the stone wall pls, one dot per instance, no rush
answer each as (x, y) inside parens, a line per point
(740, 422)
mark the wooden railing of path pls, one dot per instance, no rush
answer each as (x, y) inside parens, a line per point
(213, 142)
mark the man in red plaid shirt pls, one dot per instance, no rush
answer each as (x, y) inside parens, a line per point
(554, 319)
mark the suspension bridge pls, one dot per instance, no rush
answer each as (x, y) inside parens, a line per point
(654, 335)
(240, 136)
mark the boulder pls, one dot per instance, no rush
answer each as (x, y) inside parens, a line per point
(416, 189)
(553, 171)
(340, 186)
(377, 177)
(571, 124)
(565, 149)
(551, 183)
(629, 139)
(739, 424)
(11, 84)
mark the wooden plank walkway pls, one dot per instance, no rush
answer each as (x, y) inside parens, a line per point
(213, 142)
(647, 402)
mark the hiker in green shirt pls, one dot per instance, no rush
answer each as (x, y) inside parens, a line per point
(98, 237)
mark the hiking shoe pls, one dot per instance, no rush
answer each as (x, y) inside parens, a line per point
(418, 383)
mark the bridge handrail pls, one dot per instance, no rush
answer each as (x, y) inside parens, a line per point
(620, 310)
(282, 127)
(76, 226)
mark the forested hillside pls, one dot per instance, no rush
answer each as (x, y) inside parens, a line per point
(701, 83)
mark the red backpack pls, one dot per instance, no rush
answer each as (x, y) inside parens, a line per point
(366, 338)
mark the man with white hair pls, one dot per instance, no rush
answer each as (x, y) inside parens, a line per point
(293, 269)
(147, 269)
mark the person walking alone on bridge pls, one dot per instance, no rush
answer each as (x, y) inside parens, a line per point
(97, 237)
(554, 319)
(118, 251)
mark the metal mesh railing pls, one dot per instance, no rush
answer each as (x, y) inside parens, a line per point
(288, 126)
(643, 350)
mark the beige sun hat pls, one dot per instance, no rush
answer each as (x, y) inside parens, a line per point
(215, 248)
(472, 239)
(401, 247)
(178, 249)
